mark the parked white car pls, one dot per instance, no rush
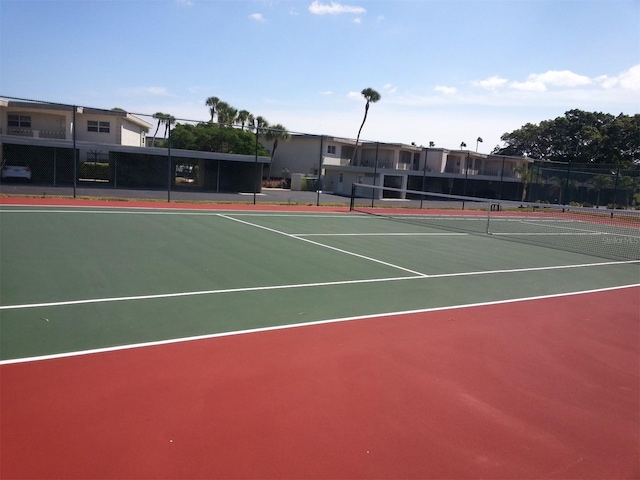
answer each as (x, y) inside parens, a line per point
(16, 171)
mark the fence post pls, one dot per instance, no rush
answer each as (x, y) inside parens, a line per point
(169, 161)
(75, 157)
(319, 182)
(565, 195)
(353, 197)
(375, 174)
(615, 189)
(501, 179)
(255, 182)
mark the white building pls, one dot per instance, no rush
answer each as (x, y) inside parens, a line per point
(397, 165)
(56, 122)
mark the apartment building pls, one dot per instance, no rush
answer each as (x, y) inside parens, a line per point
(398, 165)
(42, 137)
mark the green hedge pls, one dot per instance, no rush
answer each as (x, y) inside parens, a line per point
(94, 170)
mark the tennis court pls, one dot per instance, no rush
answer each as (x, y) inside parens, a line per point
(195, 341)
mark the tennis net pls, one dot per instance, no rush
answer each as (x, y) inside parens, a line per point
(613, 234)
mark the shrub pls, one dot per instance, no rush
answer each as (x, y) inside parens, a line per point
(94, 170)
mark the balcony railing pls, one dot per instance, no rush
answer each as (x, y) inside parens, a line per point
(30, 132)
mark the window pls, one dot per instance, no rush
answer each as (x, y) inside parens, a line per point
(331, 149)
(101, 127)
(19, 121)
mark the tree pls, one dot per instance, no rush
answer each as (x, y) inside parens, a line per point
(168, 121)
(226, 113)
(526, 176)
(599, 183)
(212, 137)
(160, 117)
(628, 185)
(276, 133)
(243, 117)
(212, 103)
(578, 137)
(371, 96)
(261, 125)
(478, 140)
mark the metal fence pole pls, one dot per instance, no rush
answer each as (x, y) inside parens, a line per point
(319, 182)
(501, 179)
(255, 173)
(466, 176)
(565, 195)
(75, 159)
(615, 188)
(375, 175)
(169, 161)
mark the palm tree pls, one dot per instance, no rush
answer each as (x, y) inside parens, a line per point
(243, 117)
(432, 144)
(628, 186)
(371, 96)
(226, 113)
(463, 145)
(168, 121)
(598, 183)
(261, 125)
(160, 117)
(212, 103)
(526, 176)
(276, 133)
(478, 140)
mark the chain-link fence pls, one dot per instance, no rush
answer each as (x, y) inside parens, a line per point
(120, 155)
(612, 186)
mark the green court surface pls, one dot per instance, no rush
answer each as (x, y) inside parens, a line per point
(80, 279)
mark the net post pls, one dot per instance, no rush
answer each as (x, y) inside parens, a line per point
(353, 197)
(487, 230)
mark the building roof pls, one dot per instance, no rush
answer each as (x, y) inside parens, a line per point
(26, 105)
(110, 147)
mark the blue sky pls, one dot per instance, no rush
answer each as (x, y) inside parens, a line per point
(448, 70)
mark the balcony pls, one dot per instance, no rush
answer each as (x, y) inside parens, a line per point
(29, 132)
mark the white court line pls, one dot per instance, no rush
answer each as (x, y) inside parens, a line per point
(379, 234)
(346, 252)
(298, 325)
(124, 210)
(132, 211)
(308, 285)
(543, 234)
(572, 230)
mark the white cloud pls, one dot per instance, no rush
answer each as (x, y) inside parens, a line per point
(627, 80)
(326, 92)
(184, 3)
(491, 83)
(528, 86)
(388, 88)
(257, 17)
(333, 8)
(562, 78)
(445, 90)
(357, 20)
(354, 95)
(630, 80)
